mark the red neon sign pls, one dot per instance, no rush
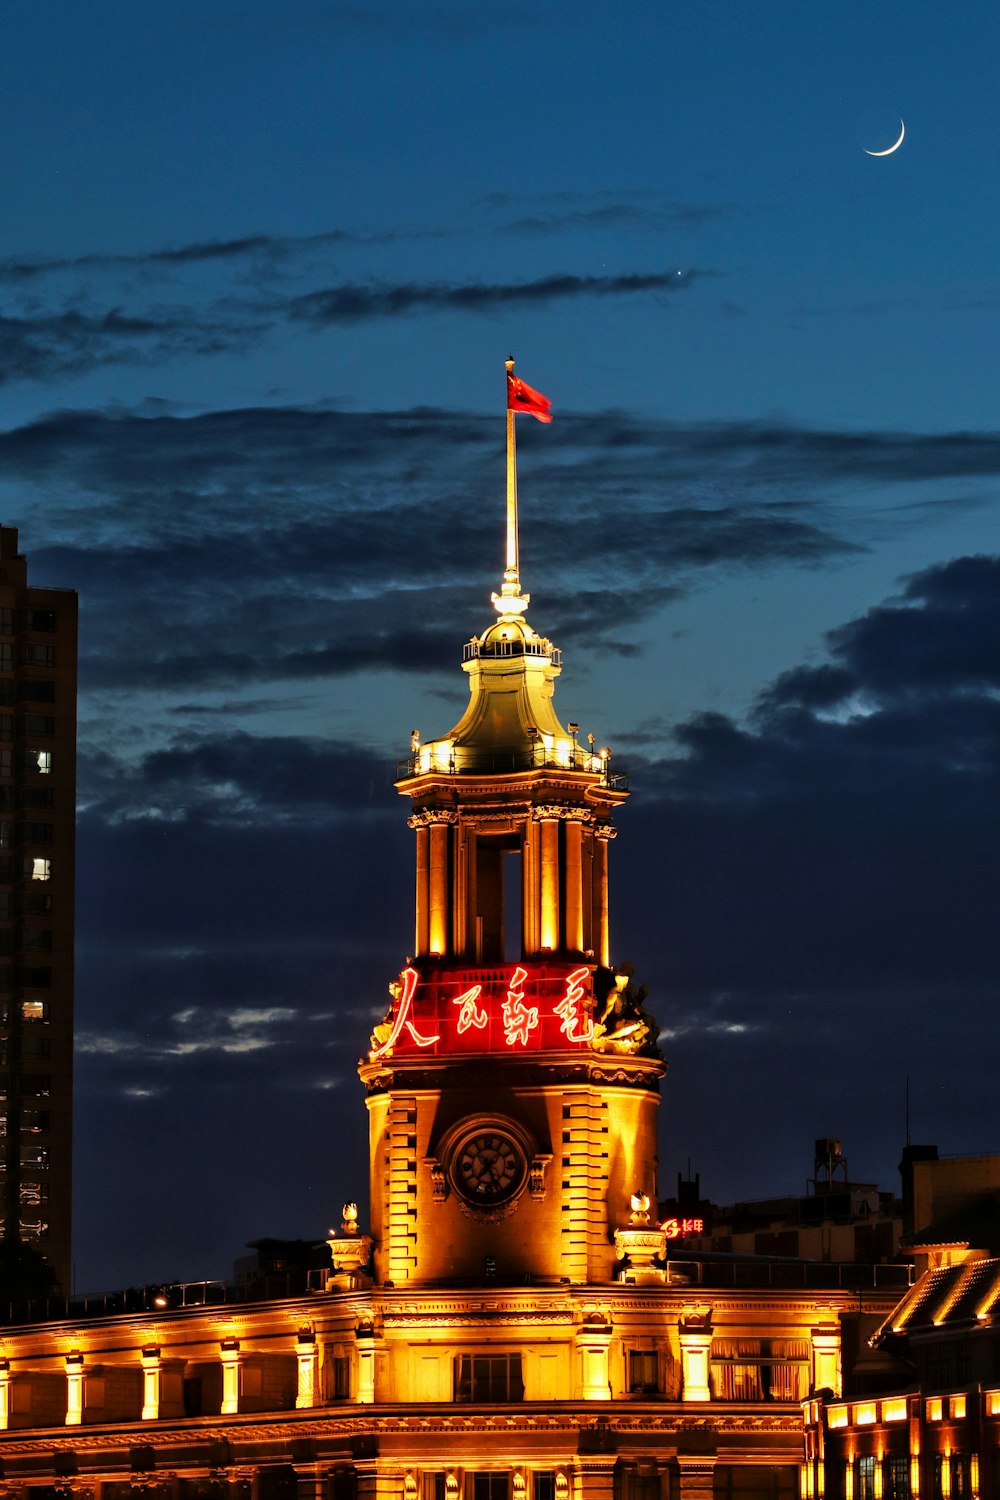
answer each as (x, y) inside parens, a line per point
(511, 1008)
(675, 1229)
(402, 1006)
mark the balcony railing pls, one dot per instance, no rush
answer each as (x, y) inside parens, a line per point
(461, 761)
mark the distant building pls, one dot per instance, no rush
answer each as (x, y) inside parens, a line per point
(37, 841)
(836, 1220)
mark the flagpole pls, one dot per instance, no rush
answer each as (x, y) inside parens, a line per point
(510, 600)
(511, 576)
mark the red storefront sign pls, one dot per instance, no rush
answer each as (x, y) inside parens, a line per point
(511, 1008)
(675, 1229)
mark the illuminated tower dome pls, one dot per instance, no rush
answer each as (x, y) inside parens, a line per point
(513, 1085)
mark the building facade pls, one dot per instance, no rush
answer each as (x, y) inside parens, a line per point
(509, 1326)
(37, 841)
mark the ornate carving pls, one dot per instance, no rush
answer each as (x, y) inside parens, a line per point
(536, 1174)
(566, 814)
(439, 1181)
(480, 1214)
(427, 816)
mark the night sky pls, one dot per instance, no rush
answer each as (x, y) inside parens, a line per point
(260, 264)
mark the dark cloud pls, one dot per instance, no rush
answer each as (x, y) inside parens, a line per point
(356, 302)
(617, 217)
(47, 345)
(331, 507)
(940, 636)
(268, 248)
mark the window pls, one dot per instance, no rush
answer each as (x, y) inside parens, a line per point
(37, 656)
(35, 1085)
(38, 869)
(40, 724)
(34, 1047)
(34, 1010)
(490, 1486)
(38, 760)
(38, 690)
(37, 940)
(6, 762)
(4, 906)
(34, 1158)
(488, 1377)
(37, 903)
(37, 979)
(6, 726)
(896, 1478)
(6, 835)
(33, 1229)
(6, 621)
(6, 658)
(38, 833)
(34, 1121)
(641, 1486)
(543, 1485)
(961, 1488)
(340, 1378)
(864, 1478)
(641, 1374)
(34, 1193)
(36, 796)
(760, 1370)
(41, 619)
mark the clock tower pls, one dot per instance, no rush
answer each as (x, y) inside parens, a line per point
(513, 1086)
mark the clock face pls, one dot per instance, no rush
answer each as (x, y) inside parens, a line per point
(488, 1167)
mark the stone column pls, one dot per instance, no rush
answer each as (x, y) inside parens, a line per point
(549, 934)
(306, 1357)
(696, 1473)
(602, 937)
(574, 885)
(74, 1390)
(695, 1330)
(4, 1393)
(229, 1354)
(421, 938)
(438, 905)
(826, 1358)
(150, 1383)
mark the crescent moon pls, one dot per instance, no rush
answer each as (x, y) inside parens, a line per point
(892, 148)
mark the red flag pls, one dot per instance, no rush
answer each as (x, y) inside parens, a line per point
(521, 397)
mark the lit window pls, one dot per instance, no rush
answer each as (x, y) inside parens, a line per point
(43, 760)
(34, 1010)
(41, 869)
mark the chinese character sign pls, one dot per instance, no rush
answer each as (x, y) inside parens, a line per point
(509, 1009)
